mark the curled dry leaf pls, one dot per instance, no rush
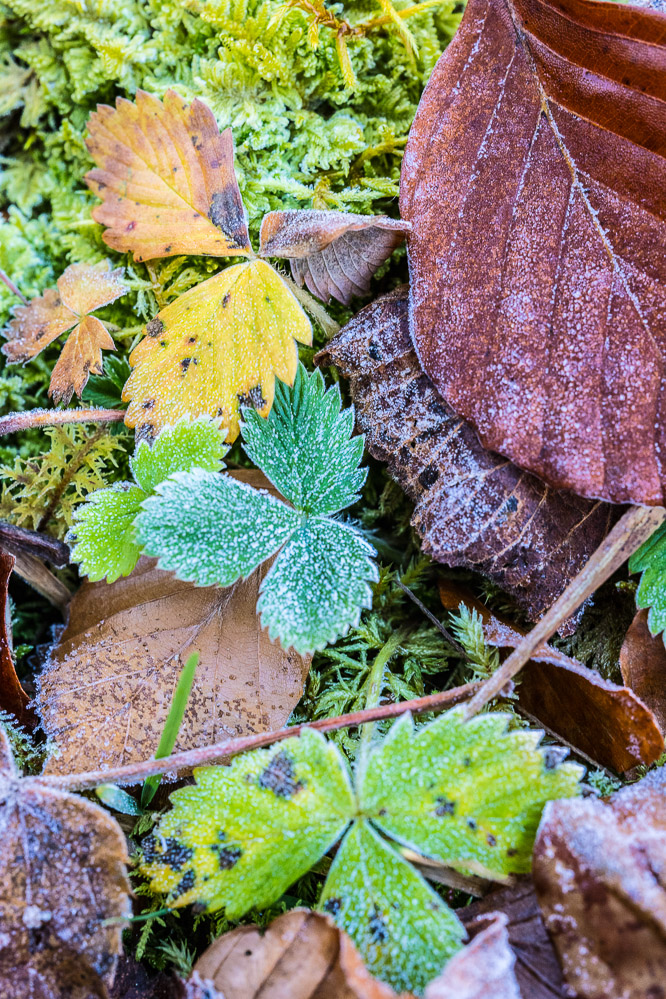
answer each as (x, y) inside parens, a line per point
(537, 968)
(473, 508)
(166, 177)
(608, 723)
(106, 692)
(643, 665)
(484, 969)
(334, 253)
(534, 180)
(302, 955)
(599, 873)
(62, 877)
(82, 288)
(13, 697)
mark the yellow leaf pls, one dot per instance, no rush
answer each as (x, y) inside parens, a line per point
(166, 177)
(217, 347)
(80, 357)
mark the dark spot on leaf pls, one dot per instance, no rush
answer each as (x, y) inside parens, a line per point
(130, 226)
(374, 351)
(511, 852)
(185, 884)
(511, 504)
(146, 432)
(377, 926)
(225, 300)
(176, 854)
(429, 476)
(192, 339)
(252, 398)
(148, 404)
(167, 249)
(185, 363)
(467, 762)
(382, 811)
(225, 213)
(471, 824)
(227, 856)
(155, 327)
(491, 840)
(332, 905)
(149, 849)
(279, 776)
(445, 807)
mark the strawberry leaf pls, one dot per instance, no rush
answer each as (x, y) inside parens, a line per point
(650, 561)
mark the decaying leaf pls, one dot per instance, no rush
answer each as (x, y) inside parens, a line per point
(106, 692)
(608, 723)
(218, 347)
(13, 697)
(599, 873)
(334, 253)
(166, 177)
(82, 288)
(302, 955)
(62, 877)
(534, 180)
(473, 508)
(484, 969)
(643, 665)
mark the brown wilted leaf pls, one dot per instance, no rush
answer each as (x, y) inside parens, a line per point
(13, 697)
(473, 508)
(82, 288)
(334, 253)
(107, 689)
(62, 876)
(537, 968)
(166, 178)
(600, 872)
(484, 969)
(609, 723)
(534, 180)
(643, 665)
(302, 955)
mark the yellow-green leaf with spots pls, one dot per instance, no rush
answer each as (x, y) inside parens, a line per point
(218, 347)
(242, 834)
(467, 794)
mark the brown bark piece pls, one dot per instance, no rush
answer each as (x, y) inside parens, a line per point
(535, 180)
(473, 508)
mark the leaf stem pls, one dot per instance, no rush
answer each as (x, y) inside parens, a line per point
(311, 305)
(375, 681)
(635, 527)
(14, 422)
(12, 287)
(190, 758)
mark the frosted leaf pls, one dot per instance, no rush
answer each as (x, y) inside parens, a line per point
(305, 446)
(650, 561)
(318, 585)
(244, 833)
(211, 529)
(102, 535)
(468, 794)
(404, 931)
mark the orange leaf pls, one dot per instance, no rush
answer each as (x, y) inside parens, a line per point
(166, 177)
(80, 357)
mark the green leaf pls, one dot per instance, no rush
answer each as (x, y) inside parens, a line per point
(103, 532)
(244, 833)
(106, 390)
(120, 801)
(404, 931)
(211, 529)
(468, 794)
(320, 581)
(650, 560)
(305, 447)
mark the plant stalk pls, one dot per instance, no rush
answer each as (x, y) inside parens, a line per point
(14, 422)
(375, 682)
(12, 287)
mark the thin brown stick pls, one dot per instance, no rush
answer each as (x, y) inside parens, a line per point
(635, 527)
(12, 287)
(14, 422)
(191, 758)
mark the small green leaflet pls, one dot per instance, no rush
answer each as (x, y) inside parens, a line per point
(103, 533)
(213, 530)
(650, 560)
(466, 793)
(106, 390)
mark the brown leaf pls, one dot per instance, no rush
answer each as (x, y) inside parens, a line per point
(643, 665)
(484, 969)
(537, 968)
(106, 692)
(534, 180)
(62, 876)
(81, 356)
(334, 253)
(599, 874)
(13, 697)
(608, 723)
(136, 981)
(473, 508)
(166, 178)
(302, 955)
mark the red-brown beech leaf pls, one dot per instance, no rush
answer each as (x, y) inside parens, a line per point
(473, 508)
(13, 697)
(334, 253)
(643, 665)
(609, 723)
(537, 968)
(535, 182)
(63, 890)
(599, 872)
